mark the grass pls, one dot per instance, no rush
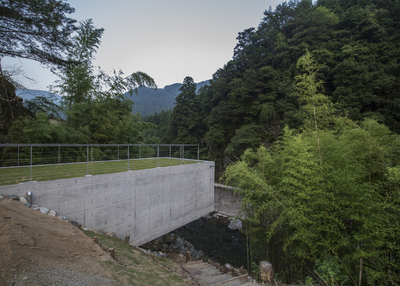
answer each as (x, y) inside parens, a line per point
(133, 267)
(10, 176)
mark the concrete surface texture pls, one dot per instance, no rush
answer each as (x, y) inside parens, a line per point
(143, 204)
(226, 201)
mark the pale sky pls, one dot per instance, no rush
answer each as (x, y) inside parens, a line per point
(167, 39)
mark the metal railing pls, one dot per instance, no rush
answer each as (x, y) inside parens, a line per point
(97, 158)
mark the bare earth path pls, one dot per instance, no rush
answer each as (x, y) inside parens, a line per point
(37, 249)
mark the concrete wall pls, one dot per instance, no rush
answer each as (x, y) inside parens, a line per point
(143, 204)
(225, 200)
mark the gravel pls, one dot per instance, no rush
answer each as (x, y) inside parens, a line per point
(60, 277)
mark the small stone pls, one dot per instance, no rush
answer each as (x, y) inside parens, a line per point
(44, 210)
(215, 216)
(13, 197)
(52, 213)
(228, 266)
(206, 217)
(28, 205)
(62, 217)
(36, 208)
(74, 223)
(23, 200)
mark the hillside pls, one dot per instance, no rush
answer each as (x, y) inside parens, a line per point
(148, 101)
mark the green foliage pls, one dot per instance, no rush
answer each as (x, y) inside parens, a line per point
(36, 30)
(42, 129)
(330, 188)
(255, 268)
(94, 106)
(309, 281)
(11, 106)
(328, 269)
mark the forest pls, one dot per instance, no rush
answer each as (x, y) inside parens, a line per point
(304, 121)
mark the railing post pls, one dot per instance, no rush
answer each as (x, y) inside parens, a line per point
(128, 157)
(118, 153)
(180, 154)
(31, 162)
(170, 151)
(140, 152)
(91, 148)
(158, 156)
(18, 155)
(183, 151)
(198, 152)
(87, 159)
(58, 153)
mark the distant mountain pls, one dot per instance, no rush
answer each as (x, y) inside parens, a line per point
(148, 101)
(30, 94)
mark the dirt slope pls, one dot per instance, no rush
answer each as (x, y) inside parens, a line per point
(37, 249)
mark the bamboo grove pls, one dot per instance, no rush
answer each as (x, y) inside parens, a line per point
(325, 196)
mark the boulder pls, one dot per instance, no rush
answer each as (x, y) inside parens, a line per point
(1, 197)
(62, 217)
(266, 272)
(178, 242)
(23, 200)
(44, 210)
(199, 254)
(235, 224)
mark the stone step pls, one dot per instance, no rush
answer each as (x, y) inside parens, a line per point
(236, 281)
(208, 275)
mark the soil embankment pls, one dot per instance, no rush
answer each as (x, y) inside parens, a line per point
(38, 249)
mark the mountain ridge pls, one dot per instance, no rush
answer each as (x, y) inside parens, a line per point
(146, 102)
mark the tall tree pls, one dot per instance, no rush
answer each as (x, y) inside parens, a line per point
(185, 115)
(36, 30)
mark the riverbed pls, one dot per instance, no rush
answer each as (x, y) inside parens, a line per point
(216, 240)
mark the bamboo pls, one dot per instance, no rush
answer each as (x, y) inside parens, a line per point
(359, 280)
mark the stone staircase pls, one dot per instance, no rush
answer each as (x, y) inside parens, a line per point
(205, 274)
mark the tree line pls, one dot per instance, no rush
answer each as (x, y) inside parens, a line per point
(250, 99)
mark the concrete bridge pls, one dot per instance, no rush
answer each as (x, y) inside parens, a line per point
(143, 204)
